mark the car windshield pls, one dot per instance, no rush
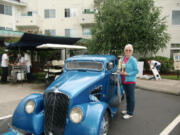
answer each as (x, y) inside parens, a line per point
(84, 65)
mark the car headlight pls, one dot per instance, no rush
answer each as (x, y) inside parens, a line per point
(30, 106)
(76, 115)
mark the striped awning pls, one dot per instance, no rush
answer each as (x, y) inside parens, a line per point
(10, 33)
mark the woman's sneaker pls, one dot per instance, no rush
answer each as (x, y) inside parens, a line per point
(124, 112)
(127, 116)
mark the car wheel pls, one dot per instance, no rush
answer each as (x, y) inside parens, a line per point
(105, 123)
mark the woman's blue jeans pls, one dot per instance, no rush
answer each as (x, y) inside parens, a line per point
(130, 97)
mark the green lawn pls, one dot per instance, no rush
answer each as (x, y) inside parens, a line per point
(173, 77)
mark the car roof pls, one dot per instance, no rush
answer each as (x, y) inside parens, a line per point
(103, 58)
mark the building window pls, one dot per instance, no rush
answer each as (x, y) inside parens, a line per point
(176, 17)
(7, 10)
(29, 13)
(7, 28)
(70, 33)
(1, 9)
(70, 12)
(89, 11)
(50, 13)
(50, 32)
(173, 51)
(17, 0)
(67, 12)
(67, 33)
(175, 48)
(2, 28)
(86, 31)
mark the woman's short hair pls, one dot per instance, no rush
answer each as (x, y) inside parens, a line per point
(128, 46)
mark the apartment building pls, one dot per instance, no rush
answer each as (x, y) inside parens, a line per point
(171, 9)
(74, 18)
(71, 18)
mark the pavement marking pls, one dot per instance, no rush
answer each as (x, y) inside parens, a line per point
(5, 117)
(171, 126)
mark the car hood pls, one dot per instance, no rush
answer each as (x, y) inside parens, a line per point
(74, 82)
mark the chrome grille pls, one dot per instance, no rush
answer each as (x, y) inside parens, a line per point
(56, 106)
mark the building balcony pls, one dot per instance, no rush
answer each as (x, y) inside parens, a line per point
(28, 21)
(15, 2)
(87, 19)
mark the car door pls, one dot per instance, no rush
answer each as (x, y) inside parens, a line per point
(111, 83)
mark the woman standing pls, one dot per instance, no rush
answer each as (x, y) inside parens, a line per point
(128, 76)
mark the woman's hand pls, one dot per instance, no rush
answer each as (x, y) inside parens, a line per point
(122, 73)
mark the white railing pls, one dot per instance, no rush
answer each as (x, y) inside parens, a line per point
(27, 21)
(87, 19)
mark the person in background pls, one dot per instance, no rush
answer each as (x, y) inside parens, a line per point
(128, 77)
(154, 64)
(4, 65)
(27, 62)
(19, 60)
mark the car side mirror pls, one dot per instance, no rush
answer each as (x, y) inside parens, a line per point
(110, 66)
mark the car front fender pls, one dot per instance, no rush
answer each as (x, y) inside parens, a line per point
(31, 123)
(92, 115)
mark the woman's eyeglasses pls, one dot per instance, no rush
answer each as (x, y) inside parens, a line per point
(128, 50)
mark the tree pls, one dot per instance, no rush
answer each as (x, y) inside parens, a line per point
(137, 22)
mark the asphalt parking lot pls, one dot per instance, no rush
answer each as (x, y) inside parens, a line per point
(11, 94)
(154, 111)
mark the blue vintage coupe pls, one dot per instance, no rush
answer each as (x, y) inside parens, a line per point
(81, 101)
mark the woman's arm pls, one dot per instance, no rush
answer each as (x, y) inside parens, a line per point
(135, 68)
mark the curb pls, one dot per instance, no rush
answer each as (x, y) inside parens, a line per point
(158, 90)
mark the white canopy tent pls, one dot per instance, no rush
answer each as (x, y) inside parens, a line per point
(61, 46)
(52, 72)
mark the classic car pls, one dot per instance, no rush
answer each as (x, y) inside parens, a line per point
(81, 101)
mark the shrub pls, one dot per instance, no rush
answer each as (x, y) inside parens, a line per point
(38, 77)
(166, 63)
